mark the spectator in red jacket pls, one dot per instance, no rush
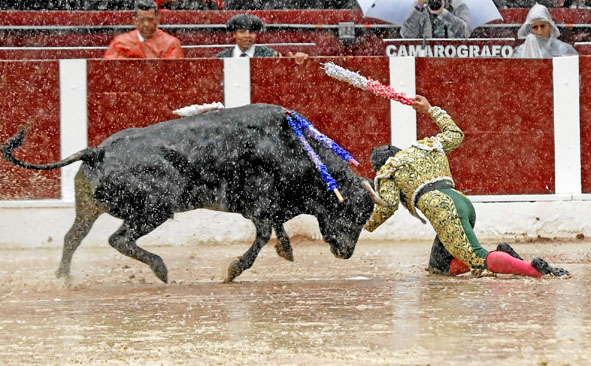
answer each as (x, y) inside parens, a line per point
(146, 41)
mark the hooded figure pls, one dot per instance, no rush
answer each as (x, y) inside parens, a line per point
(541, 36)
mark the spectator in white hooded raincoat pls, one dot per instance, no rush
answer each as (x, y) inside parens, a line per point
(541, 36)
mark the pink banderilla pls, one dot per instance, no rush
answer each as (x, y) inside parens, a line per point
(361, 82)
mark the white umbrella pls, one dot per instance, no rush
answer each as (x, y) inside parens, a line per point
(395, 11)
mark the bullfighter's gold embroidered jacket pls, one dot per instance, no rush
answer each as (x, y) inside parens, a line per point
(411, 169)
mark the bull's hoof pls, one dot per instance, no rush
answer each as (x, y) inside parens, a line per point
(285, 252)
(62, 273)
(159, 269)
(234, 270)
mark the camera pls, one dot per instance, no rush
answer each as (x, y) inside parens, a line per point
(435, 4)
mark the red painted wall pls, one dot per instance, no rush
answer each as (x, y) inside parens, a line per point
(585, 105)
(137, 93)
(353, 118)
(30, 94)
(506, 111)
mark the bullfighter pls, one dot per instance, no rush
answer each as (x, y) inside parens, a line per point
(420, 177)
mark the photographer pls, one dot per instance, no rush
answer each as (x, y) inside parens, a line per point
(437, 19)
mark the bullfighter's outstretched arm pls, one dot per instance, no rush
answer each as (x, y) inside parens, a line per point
(451, 136)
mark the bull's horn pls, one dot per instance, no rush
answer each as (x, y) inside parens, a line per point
(373, 194)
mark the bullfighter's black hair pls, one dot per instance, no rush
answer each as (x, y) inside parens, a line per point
(380, 154)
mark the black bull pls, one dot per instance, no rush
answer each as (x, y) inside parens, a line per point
(245, 160)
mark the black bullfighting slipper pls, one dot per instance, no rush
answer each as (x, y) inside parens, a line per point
(544, 268)
(506, 248)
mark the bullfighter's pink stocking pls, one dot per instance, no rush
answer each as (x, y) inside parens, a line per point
(500, 262)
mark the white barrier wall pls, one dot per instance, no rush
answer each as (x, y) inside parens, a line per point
(28, 227)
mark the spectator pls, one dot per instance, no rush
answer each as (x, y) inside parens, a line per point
(451, 20)
(541, 36)
(244, 28)
(146, 41)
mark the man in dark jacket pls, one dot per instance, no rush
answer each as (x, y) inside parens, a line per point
(244, 28)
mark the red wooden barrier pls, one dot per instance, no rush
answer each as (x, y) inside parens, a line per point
(128, 93)
(585, 64)
(30, 94)
(506, 111)
(355, 119)
(505, 108)
(316, 16)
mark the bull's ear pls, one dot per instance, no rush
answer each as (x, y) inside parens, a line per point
(373, 194)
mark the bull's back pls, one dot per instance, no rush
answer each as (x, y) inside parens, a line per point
(209, 160)
(234, 125)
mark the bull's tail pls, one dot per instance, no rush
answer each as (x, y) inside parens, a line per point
(90, 155)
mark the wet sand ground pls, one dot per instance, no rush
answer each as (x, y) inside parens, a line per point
(378, 308)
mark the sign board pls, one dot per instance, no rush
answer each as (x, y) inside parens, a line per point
(443, 47)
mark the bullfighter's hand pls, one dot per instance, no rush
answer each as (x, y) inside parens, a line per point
(421, 3)
(300, 57)
(421, 104)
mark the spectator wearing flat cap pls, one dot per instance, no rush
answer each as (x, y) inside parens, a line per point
(244, 28)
